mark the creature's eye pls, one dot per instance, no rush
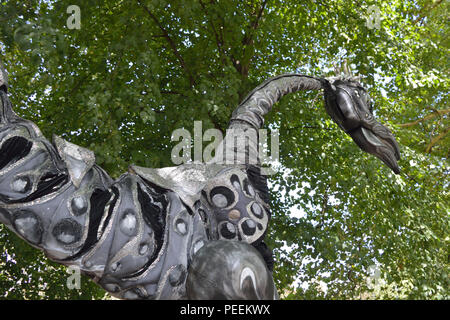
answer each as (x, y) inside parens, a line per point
(248, 227)
(370, 107)
(222, 197)
(248, 189)
(227, 230)
(235, 182)
(257, 210)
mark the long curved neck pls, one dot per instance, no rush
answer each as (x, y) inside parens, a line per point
(241, 142)
(259, 102)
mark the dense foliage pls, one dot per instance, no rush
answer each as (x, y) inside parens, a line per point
(137, 70)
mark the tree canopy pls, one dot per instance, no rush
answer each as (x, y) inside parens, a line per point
(137, 70)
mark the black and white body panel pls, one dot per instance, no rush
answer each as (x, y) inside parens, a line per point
(58, 200)
(135, 236)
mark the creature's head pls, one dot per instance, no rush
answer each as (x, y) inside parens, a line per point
(348, 104)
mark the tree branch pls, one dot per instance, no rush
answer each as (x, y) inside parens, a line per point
(324, 209)
(436, 139)
(308, 127)
(170, 41)
(171, 92)
(428, 117)
(249, 37)
(243, 67)
(219, 41)
(425, 8)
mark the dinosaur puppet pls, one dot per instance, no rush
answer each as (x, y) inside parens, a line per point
(194, 231)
